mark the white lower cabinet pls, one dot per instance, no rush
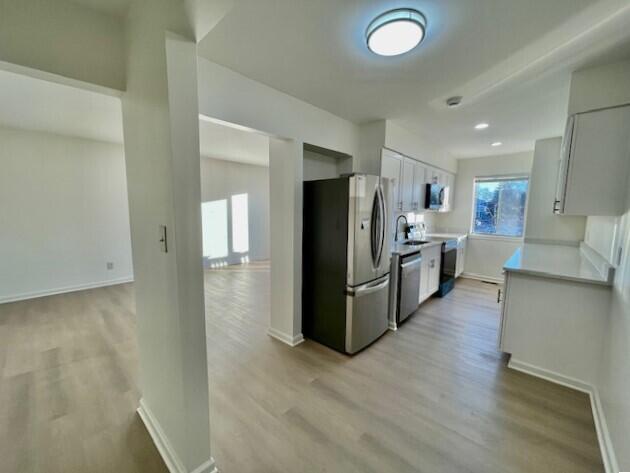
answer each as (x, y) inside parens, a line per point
(430, 271)
(553, 326)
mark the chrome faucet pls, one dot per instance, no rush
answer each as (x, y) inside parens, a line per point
(397, 221)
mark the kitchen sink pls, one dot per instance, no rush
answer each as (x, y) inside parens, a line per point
(416, 242)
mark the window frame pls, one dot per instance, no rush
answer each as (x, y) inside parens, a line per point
(503, 177)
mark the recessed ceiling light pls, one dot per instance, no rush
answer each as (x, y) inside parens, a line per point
(396, 32)
(481, 126)
(496, 143)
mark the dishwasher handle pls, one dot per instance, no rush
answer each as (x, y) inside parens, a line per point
(406, 268)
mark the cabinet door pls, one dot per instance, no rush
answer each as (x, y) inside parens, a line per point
(563, 167)
(419, 185)
(434, 271)
(424, 279)
(392, 168)
(597, 177)
(407, 185)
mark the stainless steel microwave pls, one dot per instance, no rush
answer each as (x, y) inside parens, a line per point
(434, 197)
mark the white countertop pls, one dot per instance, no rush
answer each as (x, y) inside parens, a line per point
(447, 236)
(560, 262)
(401, 249)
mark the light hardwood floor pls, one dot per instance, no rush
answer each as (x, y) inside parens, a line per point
(433, 397)
(68, 394)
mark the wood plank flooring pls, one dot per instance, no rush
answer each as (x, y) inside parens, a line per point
(433, 397)
(68, 393)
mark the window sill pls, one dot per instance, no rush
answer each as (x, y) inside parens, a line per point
(480, 236)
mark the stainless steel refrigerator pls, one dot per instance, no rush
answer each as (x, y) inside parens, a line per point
(346, 261)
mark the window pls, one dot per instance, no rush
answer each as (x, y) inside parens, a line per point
(499, 206)
(240, 224)
(214, 222)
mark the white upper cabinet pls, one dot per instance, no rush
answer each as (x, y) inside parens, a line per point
(449, 187)
(407, 193)
(419, 185)
(409, 179)
(594, 164)
(392, 168)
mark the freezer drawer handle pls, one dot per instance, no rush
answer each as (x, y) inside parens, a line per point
(367, 289)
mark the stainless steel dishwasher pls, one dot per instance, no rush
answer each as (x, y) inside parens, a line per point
(409, 286)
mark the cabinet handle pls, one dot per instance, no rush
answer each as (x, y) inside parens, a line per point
(555, 206)
(499, 296)
(432, 264)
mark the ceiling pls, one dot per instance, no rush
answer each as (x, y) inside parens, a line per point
(112, 7)
(38, 105)
(35, 104)
(510, 59)
(231, 144)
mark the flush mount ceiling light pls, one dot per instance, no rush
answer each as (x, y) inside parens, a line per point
(481, 126)
(496, 143)
(396, 32)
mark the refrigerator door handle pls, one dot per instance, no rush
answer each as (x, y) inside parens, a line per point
(384, 219)
(382, 226)
(368, 288)
(377, 230)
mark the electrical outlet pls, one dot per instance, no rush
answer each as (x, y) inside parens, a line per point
(110, 266)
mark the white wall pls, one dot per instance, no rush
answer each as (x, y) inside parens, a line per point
(485, 256)
(64, 214)
(64, 38)
(286, 199)
(161, 130)
(599, 87)
(223, 179)
(234, 98)
(603, 235)
(614, 371)
(418, 147)
(543, 226)
(319, 166)
(373, 136)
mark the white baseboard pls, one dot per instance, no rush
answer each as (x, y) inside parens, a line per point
(603, 436)
(481, 277)
(292, 341)
(550, 376)
(170, 457)
(63, 290)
